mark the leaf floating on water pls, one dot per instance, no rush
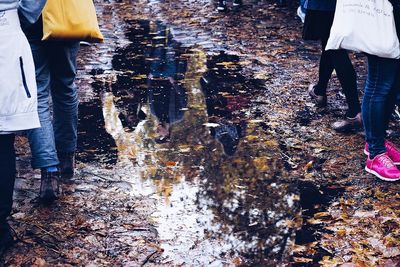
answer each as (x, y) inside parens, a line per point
(211, 125)
(302, 260)
(314, 221)
(320, 215)
(139, 77)
(252, 137)
(328, 262)
(255, 121)
(171, 164)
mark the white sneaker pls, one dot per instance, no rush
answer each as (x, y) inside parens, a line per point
(301, 14)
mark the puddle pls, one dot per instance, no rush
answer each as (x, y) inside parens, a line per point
(314, 200)
(181, 122)
(94, 143)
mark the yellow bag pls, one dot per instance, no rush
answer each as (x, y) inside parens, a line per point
(71, 20)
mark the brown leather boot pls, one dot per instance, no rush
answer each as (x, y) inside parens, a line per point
(49, 187)
(348, 124)
(67, 164)
(320, 101)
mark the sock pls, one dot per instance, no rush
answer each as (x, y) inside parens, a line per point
(51, 169)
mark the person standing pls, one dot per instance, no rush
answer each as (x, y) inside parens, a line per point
(18, 98)
(381, 89)
(317, 25)
(53, 146)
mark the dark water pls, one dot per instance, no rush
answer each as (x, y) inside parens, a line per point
(186, 122)
(94, 143)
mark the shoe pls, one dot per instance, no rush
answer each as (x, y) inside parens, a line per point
(237, 3)
(320, 101)
(382, 167)
(301, 14)
(6, 238)
(348, 124)
(221, 6)
(49, 188)
(67, 164)
(391, 149)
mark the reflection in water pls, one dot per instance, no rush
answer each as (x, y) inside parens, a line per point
(221, 85)
(216, 204)
(167, 97)
(94, 143)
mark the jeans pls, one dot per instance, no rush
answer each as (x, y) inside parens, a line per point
(398, 99)
(340, 61)
(302, 5)
(380, 94)
(7, 177)
(55, 64)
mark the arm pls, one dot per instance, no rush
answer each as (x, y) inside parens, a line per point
(30, 10)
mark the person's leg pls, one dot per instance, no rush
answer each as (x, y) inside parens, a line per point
(393, 100)
(41, 140)
(398, 97)
(7, 180)
(348, 80)
(325, 71)
(318, 91)
(380, 81)
(65, 101)
(381, 78)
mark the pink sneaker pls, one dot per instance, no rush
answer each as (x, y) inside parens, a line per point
(391, 149)
(382, 167)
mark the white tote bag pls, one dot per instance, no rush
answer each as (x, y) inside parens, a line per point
(365, 26)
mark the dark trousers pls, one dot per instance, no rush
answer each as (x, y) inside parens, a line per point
(7, 177)
(339, 60)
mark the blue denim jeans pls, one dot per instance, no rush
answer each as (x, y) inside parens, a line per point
(379, 99)
(55, 64)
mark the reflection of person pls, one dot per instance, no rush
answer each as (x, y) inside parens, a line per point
(317, 25)
(224, 102)
(167, 97)
(228, 134)
(18, 97)
(167, 101)
(53, 145)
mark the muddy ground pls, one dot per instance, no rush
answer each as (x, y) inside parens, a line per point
(199, 146)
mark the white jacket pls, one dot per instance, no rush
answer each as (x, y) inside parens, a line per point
(18, 92)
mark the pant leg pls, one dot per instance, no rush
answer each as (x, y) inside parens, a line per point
(381, 78)
(42, 140)
(325, 70)
(7, 176)
(348, 80)
(398, 97)
(393, 99)
(64, 92)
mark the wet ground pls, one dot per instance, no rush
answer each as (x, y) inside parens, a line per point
(198, 146)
